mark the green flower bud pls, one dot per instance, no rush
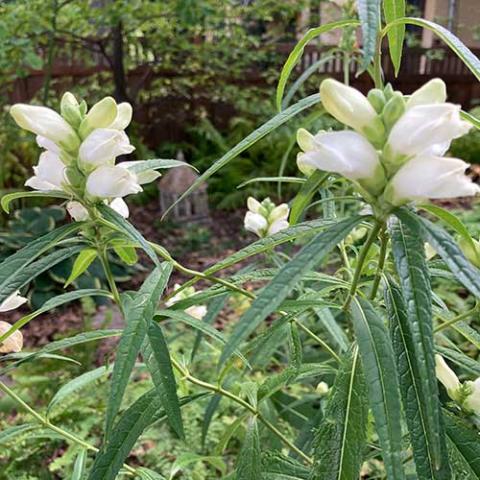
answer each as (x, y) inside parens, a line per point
(101, 115)
(393, 110)
(388, 91)
(377, 99)
(70, 110)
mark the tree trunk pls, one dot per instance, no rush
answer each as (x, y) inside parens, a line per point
(119, 77)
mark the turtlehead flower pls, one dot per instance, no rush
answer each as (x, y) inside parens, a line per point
(102, 146)
(196, 311)
(426, 177)
(425, 129)
(466, 394)
(49, 173)
(77, 211)
(265, 218)
(47, 144)
(123, 118)
(112, 182)
(14, 342)
(101, 115)
(352, 108)
(146, 176)
(434, 91)
(346, 153)
(12, 302)
(47, 123)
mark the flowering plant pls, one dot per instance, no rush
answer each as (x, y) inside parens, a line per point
(347, 330)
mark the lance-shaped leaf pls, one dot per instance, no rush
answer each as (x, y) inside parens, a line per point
(409, 256)
(393, 10)
(416, 393)
(139, 309)
(369, 13)
(286, 279)
(340, 440)
(380, 372)
(249, 464)
(305, 195)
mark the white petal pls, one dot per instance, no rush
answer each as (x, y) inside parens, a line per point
(280, 212)
(124, 116)
(255, 223)
(120, 206)
(111, 182)
(12, 302)
(77, 211)
(434, 91)
(47, 144)
(277, 226)
(49, 173)
(446, 375)
(254, 205)
(197, 311)
(14, 343)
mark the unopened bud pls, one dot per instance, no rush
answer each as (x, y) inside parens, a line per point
(393, 110)
(70, 110)
(101, 115)
(377, 99)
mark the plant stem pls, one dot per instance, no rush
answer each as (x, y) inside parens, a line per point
(317, 339)
(108, 273)
(458, 318)
(46, 423)
(377, 63)
(226, 393)
(361, 260)
(381, 263)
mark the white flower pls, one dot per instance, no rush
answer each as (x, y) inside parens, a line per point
(47, 144)
(254, 205)
(347, 153)
(112, 182)
(14, 342)
(426, 177)
(120, 206)
(197, 311)
(256, 223)
(12, 302)
(49, 173)
(424, 127)
(322, 388)
(446, 375)
(102, 146)
(472, 401)
(347, 104)
(101, 115)
(146, 176)
(434, 91)
(45, 122)
(123, 118)
(278, 219)
(77, 211)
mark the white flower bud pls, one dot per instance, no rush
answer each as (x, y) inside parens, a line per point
(434, 91)
(77, 211)
(14, 343)
(49, 173)
(70, 109)
(120, 206)
(304, 166)
(197, 311)
(102, 146)
(472, 401)
(352, 108)
(112, 182)
(280, 212)
(47, 123)
(256, 223)
(254, 205)
(147, 176)
(426, 177)
(423, 127)
(101, 115)
(12, 302)
(322, 388)
(123, 118)
(446, 376)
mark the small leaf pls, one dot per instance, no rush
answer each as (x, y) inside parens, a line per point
(10, 197)
(79, 467)
(127, 254)
(156, 164)
(394, 9)
(81, 264)
(369, 13)
(249, 465)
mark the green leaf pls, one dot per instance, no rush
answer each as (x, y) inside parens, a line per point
(11, 433)
(446, 247)
(272, 179)
(138, 310)
(459, 358)
(296, 351)
(394, 9)
(157, 357)
(79, 467)
(136, 418)
(10, 197)
(409, 256)
(249, 464)
(466, 441)
(147, 474)
(471, 119)
(126, 253)
(248, 141)
(286, 279)
(305, 195)
(14, 265)
(416, 392)
(380, 372)
(189, 458)
(128, 230)
(76, 384)
(156, 164)
(53, 303)
(452, 220)
(369, 13)
(340, 440)
(297, 52)
(276, 466)
(462, 51)
(81, 264)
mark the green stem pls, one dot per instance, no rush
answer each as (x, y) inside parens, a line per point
(381, 263)
(458, 318)
(46, 423)
(102, 253)
(377, 64)
(317, 339)
(360, 262)
(226, 393)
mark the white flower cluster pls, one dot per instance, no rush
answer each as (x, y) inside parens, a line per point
(196, 311)
(466, 394)
(395, 153)
(80, 149)
(265, 218)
